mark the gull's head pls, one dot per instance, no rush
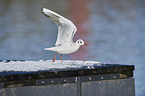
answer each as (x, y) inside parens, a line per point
(80, 42)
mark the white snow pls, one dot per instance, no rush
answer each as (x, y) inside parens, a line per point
(26, 66)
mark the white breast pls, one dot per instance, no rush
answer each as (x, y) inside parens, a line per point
(68, 49)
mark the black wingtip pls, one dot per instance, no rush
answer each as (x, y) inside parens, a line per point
(42, 9)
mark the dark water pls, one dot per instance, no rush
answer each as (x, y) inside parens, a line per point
(113, 29)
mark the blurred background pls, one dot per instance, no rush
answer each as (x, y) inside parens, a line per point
(113, 29)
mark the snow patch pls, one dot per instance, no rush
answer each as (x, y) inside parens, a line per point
(27, 66)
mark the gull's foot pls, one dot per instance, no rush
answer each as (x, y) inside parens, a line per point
(53, 60)
(61, 57)
(55, 56)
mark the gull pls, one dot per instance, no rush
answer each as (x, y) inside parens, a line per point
(66, 31)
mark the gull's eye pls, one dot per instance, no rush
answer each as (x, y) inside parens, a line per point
(80, 42)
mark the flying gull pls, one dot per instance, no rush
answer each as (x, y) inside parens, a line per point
(66, 31)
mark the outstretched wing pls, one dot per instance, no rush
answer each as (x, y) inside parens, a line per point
(66, 29)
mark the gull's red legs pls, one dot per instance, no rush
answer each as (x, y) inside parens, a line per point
(61, 57)
(55, 56)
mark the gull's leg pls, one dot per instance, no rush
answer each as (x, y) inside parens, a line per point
(61, 57)
(55, 56)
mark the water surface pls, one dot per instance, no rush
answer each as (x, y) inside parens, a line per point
(114, 31)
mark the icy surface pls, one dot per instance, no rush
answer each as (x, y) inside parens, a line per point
(26, 66)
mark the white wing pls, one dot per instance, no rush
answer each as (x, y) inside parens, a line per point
(66, 29)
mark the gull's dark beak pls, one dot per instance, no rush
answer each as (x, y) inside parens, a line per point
(85, 44)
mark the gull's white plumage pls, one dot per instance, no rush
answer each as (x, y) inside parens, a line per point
(66, 31)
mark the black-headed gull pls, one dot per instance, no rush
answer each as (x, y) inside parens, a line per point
(66, 30)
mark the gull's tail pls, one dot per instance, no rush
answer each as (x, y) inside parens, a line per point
(48, 48)
(51, 49)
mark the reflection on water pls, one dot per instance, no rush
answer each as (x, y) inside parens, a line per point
(113, 30)
(79, 14)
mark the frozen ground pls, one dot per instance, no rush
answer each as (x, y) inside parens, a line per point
(26, 66)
